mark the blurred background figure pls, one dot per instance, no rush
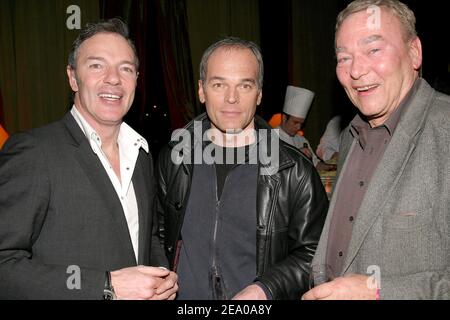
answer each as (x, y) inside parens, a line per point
(328, 147)
(295, 110)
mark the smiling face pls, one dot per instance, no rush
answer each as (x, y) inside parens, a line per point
(376, 66)
(104, 80)
(230, 91)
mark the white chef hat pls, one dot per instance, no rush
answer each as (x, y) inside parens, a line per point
(297, 101)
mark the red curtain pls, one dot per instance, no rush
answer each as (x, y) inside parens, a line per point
(166, 93)
(175, 56)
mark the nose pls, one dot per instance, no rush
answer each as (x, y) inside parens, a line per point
(232, 95)
(112, 76)
(358, 68)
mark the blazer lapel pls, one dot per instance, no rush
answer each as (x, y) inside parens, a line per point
(387, 175)
(100, 181)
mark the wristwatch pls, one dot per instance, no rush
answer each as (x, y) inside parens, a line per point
(108, 291)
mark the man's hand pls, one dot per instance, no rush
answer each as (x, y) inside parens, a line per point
(140, 283)
(167, 290)
(353, 287)
(252, 292)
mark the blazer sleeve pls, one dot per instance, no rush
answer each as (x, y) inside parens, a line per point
(24, 200)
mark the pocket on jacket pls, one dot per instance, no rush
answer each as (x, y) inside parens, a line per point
(411, 219)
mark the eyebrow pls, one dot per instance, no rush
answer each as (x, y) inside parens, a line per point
(370, 39)
(249, 80)
(364, 41)
(242, 80)
(104, 60)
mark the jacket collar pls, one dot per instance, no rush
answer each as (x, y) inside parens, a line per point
(185, 146)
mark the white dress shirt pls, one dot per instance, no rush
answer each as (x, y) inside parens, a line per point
(129, 142)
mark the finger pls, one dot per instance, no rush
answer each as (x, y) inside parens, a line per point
(153, 271)
(318, 293)
(308, 295)
(172, 297)
(168, 283)
(165, 295)
(322, 291)
(163, 287)
(167, 291)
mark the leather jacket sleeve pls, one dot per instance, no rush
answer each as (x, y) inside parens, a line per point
(157, 255)
(160, 176)
(170, 205)
(292, 236)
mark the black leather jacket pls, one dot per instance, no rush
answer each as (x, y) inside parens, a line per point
(291, 210)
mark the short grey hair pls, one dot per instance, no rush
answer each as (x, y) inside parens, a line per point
(233, 43)
(397, 8)
(114, 25)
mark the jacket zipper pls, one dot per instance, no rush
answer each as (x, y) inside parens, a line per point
(216, 276)
(216, 223)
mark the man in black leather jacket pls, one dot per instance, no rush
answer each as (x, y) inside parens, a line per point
(244, 226)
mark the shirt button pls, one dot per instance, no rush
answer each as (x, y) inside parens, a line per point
(128, 168)
(340, 254)
(135, 144)
(361, 183)
(351, 219)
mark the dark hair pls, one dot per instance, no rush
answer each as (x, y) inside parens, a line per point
(114, 25)
(288, 116)
(233, 43)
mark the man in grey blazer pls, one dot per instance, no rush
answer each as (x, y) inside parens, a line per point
(77, 196)
(387, 234)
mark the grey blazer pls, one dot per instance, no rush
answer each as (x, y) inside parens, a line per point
(403, 227)
(58, 208)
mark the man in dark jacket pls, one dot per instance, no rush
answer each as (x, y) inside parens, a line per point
(240, 211)
(77, 196)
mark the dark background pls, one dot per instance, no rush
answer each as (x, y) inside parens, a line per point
(296, 38)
